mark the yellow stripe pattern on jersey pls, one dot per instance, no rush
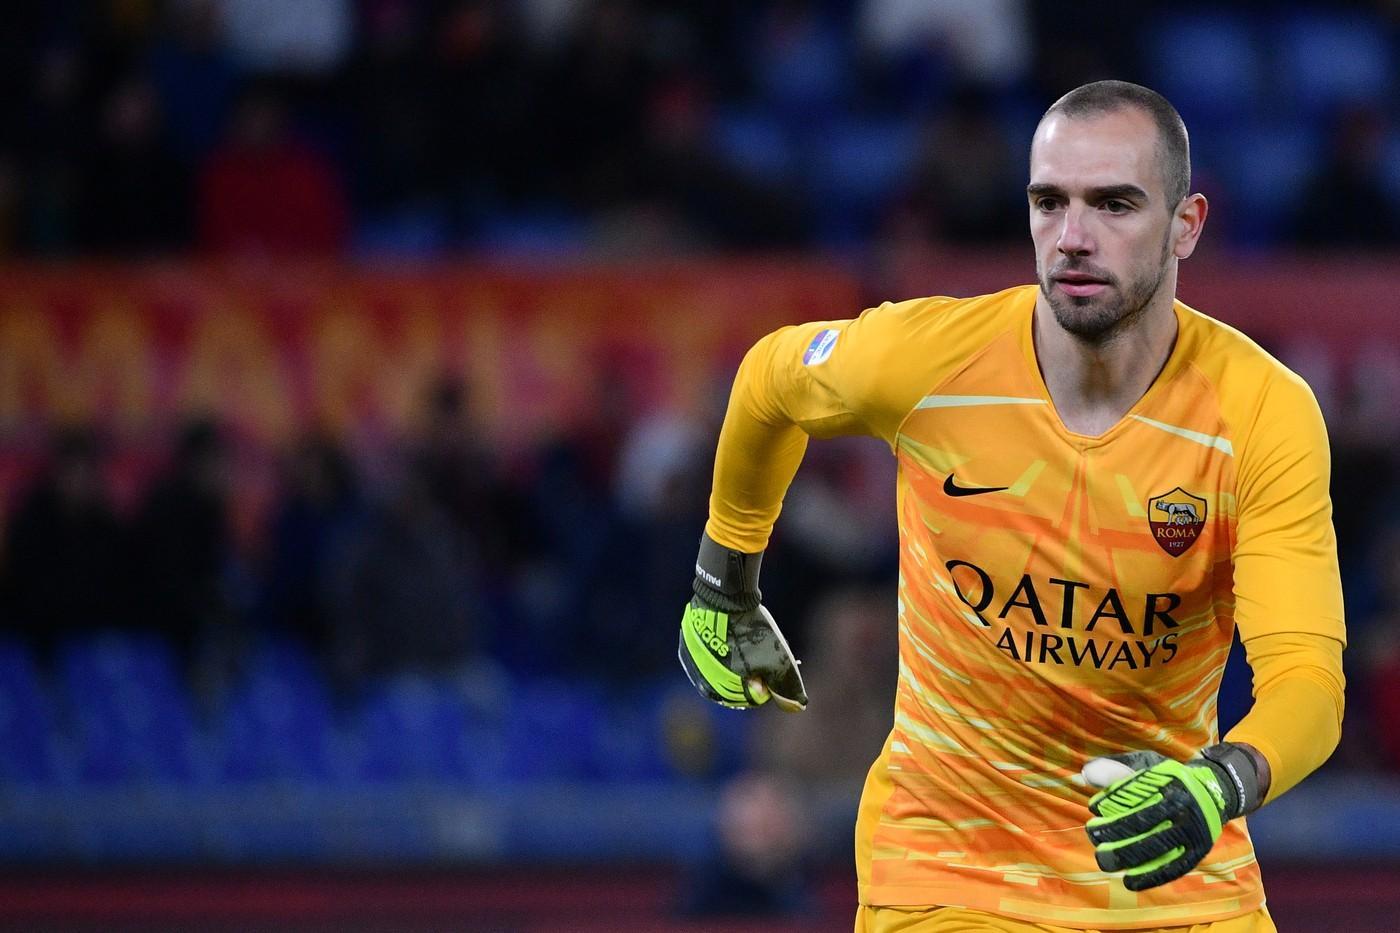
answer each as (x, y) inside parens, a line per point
(1060, 596)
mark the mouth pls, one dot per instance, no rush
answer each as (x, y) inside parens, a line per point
(1080, 284)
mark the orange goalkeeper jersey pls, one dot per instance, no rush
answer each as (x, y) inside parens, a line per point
(1060, 596)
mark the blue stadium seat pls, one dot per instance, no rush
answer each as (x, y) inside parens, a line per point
(803, 70)
(1262, 162)
(755, 143)
(1208, 63)
(863, 159)
(628, 745)
(1324, 60)
(540, 232)
(277, 724)
(1392, 168)
(699, 740)
(552, 733)
(26, 720)
(414, 727)
(410, 231)
(130, 710)
(856, 166)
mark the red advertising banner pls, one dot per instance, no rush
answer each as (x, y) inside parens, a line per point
(273, 350)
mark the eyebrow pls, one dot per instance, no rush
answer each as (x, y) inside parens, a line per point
(1103, 193)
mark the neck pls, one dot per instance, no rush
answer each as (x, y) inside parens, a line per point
(1094, 384)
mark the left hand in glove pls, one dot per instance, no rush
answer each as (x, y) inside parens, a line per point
(1156, 818)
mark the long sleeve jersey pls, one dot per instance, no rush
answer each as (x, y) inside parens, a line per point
(1061, 596)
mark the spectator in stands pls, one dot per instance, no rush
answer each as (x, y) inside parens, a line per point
(135, 192)
(680, 194)
(401, 589)
(405, 584)
(56, 127)
(838, 529)
(459, 473)
(1375, 671)
(758, 866)
(661, 476)
(1344, 204)
(65, 549)
(264, 192)
(320, 504)
(183, 547)
(596, 98)
(963, 187)
(853, 643)
(799, 59)
(194, 77)
(393, 123)
(490, 149)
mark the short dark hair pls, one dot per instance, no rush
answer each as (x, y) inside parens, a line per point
(1173, 146)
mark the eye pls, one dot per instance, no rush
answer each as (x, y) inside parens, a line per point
(1115, 206)
(1046, 205)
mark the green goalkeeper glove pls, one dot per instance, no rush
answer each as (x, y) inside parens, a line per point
(730, 646)
(1156, 818)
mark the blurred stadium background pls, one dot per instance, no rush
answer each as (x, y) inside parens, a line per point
(360, 369)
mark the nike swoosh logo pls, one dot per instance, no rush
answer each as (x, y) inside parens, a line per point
(953, 489)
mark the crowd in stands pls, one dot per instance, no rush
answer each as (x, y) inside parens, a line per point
(550, 585)
(413, 127)
(565, 562)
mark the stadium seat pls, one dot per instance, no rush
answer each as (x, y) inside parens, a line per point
(1208, 63)
(278, 725)
(406, 232)
(754, 143)
(856, 166)
(698, 739)
(802, 68)
(1391, 162)
(551, 735)
(414, 728)
(543, 232)
(26, 720)
(628, 744)
(1261, 161)
(129, 708)
(1324, 60)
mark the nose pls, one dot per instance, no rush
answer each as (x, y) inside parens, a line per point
(1074, 239)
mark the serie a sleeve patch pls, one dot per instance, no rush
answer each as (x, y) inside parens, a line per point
(819, 350)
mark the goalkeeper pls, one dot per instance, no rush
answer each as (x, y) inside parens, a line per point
(1098, 487)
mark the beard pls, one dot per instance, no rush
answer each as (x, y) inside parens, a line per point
(1100, 318)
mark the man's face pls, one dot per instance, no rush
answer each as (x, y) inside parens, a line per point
(1101, 229)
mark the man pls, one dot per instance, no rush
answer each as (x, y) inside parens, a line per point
(1097, 484)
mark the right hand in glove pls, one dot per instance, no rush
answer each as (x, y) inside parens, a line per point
(730, 647)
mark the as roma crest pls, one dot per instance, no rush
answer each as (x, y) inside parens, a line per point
(1177, 518)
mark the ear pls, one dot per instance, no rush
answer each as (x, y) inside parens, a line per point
(1187, 223)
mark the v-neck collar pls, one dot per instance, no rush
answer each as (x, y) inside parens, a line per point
(1175, 360)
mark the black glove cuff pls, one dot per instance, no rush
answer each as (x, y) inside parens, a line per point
(1241, 776)
(726, 578)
